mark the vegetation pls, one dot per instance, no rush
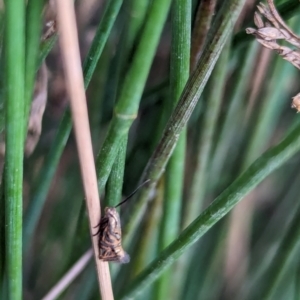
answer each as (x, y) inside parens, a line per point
(177, 93)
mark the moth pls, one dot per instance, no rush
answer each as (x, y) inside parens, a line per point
(110, 234)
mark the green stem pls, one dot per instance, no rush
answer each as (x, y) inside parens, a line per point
(14, 141)
(45, 48)
(115, 181)
(133, 25)
(2, 237)
(273, 234)
(203, 150)
(145, 245)
(180, 61)
(286, 250)
(297, 283)
(228, 130)
(132, 88)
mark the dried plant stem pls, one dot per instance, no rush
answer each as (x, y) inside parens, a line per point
(69, 276)
(201, 27)
(279, 19)
(75, 85)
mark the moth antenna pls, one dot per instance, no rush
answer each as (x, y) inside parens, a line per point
(127, 198)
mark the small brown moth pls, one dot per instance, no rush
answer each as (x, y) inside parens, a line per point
(110, 234)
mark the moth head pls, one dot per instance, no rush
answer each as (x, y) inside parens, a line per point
(110, 211)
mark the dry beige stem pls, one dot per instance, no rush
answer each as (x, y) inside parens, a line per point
(69, 277)
(51, 28)
(267, 33)
(74, 80)
(38, 105)
(37, 109)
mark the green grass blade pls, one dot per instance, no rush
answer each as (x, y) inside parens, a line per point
(213, 105)
(2, 237)
(286, 250)
(14, 48)
(104, 29)
(267, 243)
(233, 115)
(128, 36)
(297, 283)
(132, 88)
(179, 74)
(45, 48)
(115, 181)
(259, 170)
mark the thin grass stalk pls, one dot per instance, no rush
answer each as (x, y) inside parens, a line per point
(1, 30)
(297, 283)
(260, 255)
(138, 11)
(45, 47)
(33, 32)
(220, 31)
(228, 128)
(59, 288)
(286, 250)
(210, 284)
(239, 228)
(14, 49)
(270, 110)
(87, 287)
(127, 106)
(179, 74)
(201, 27)
(75, 85)
(129, 34)
(268, 114)
(34, 210)
(115, 180)
(207, 257)
(197, 189)
(216, 87)
(2, 186)
(259, 170)
(2, 238)
(104, 29)
(145, 243)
